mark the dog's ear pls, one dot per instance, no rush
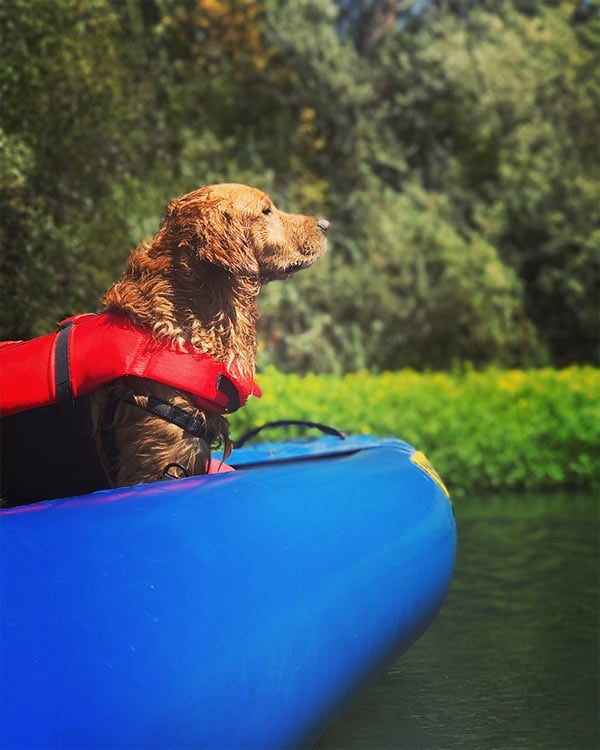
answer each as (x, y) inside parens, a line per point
(211, 231)
(222, 238)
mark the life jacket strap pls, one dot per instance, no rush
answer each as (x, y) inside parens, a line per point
(183, 418)
(62, 358)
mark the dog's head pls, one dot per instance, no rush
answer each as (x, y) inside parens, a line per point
(239, 228)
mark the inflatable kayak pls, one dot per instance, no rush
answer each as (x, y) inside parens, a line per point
(236, 610)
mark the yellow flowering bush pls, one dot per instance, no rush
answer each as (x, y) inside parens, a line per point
(489, 430)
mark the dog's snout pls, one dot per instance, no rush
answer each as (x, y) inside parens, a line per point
(323, 225)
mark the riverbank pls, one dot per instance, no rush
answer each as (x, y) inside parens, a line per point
(495, 430)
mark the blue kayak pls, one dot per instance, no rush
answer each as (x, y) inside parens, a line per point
(238, 610)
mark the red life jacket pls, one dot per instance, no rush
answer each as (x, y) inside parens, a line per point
(45, 384)
(91, 350)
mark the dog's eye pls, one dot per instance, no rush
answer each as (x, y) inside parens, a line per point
(267, 211)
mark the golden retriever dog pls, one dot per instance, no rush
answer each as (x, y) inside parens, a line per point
(195, 286)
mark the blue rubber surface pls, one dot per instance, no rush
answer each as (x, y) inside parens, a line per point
(236, 610)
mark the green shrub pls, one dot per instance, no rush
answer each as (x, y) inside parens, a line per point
(492, 430)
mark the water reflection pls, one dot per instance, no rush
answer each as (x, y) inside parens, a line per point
(512, 659)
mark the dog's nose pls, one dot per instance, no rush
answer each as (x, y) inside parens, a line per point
(323, 225)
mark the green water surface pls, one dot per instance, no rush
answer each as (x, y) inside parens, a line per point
(512, 660)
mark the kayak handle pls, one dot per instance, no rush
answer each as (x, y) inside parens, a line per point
(289, 423)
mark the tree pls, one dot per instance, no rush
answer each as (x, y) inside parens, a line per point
(453, 144)
(499, 111)
(64, 111)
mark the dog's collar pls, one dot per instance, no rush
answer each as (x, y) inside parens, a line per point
(92, 350)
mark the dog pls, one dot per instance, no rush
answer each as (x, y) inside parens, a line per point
(194, 287)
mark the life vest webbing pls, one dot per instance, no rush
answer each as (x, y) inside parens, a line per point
(62, 374)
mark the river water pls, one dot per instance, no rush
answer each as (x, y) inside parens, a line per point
(512, 659)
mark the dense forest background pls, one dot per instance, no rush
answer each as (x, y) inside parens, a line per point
(454, 144)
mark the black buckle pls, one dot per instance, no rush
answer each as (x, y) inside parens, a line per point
(226, 386)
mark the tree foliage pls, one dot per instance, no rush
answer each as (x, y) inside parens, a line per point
(454, 146)
(63, 112)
